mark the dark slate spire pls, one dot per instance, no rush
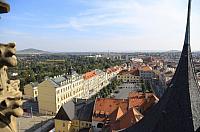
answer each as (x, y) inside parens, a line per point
(179, 108)
(187, 33)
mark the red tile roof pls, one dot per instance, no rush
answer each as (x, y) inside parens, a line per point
(145, 68)
(132, 72)
(89, 75)
(122, 113)
(141, 100)
(105, 106)
(113, 69)
(116, 114)
(131, 117)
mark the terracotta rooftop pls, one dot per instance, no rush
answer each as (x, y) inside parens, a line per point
(106, 106)
(145, 68)
(113, 69)
(116, 114)
(112, 109)
(89, 75)
(131, 117)
(132, 72)
(141, 101)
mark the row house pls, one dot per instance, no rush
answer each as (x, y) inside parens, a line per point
(130, 79)
(112, 72)
(54, 92)
(90, 83)
(94, 81)
(146, 73)
(129, 76)
(31, 90)
(102, 79)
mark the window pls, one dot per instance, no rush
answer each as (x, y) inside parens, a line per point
(63, 124)
(99, 125)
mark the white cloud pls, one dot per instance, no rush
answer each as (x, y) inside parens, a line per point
(137, 25)
(102, 13)
(8, 32)
(158, 25)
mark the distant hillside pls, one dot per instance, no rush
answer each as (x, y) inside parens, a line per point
(32, 51)
(173, 51)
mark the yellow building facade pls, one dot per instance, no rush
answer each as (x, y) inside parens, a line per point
(63, 126)
(71, 126)
(31, 90)
(72, 119)
(129, 76)
(54, 92)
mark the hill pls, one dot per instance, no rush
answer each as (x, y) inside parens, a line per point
(32, 51)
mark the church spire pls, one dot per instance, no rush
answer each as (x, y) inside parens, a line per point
(179, 108)
(187, 34)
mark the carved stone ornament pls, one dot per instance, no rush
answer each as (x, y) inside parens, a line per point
(10, 96)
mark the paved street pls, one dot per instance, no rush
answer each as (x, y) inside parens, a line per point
(28, 124)
(123, 93)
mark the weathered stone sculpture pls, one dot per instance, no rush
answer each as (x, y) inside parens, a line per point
(4, 7)
(10, 96)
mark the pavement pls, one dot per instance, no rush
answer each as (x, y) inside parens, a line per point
(29, 124)
(123, 93)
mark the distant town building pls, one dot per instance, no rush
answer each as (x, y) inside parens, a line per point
(90, 83)
(129, 76)
(130, 79)
(31, 90)
(146, 73)
(54, 92)
(168, 76)
(94, 81)
(137, 60)
(112, 72)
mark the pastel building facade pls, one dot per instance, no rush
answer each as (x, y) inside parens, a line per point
(31, 90)
(54, 92)
(74, 116)
(94, 81)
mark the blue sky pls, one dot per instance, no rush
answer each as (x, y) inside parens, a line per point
(99, 25)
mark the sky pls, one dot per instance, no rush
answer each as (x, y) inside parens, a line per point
(100, 25)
